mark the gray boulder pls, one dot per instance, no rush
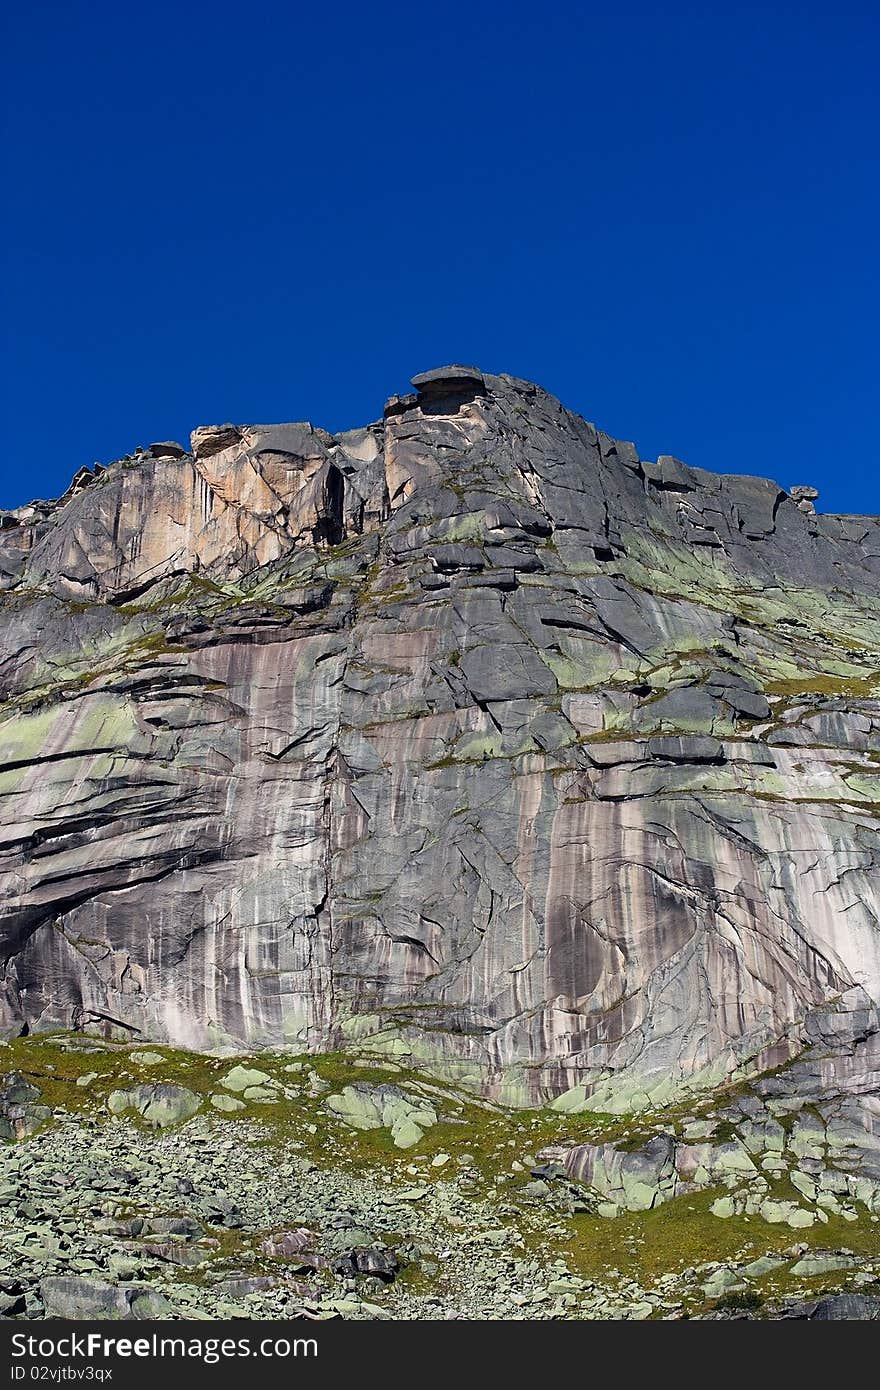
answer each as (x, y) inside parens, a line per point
(845, 1307)
(21, 1113)
(158, 1105)
(80, 1297)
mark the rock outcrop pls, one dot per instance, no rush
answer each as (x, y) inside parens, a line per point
(467, 737)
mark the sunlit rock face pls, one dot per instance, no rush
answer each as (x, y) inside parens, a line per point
(466, 737)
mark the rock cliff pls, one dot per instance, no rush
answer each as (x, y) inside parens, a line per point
(466, 737)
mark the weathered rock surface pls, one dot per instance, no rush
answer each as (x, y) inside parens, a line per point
(80, 1297)
(846, 1307)
(466, 736)
(830, 1155)
(159, 1105)
(21, 1113)
(378, 1107)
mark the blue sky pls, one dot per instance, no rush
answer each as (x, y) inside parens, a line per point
(667, 215)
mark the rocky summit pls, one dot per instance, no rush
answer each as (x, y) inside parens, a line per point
(471, 749)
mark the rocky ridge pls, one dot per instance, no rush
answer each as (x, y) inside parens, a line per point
(468, 738)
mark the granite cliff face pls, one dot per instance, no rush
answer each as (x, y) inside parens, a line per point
(466, 737)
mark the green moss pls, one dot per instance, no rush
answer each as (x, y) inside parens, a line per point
(816, 683)
(196, 591)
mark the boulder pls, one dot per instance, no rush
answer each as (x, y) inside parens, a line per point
(159, 1105)
(635, 1180)
(244, 1079)
(21, 1113)
(285, 1245)
(375, 1107)
(845, 1307)
(80, 1297)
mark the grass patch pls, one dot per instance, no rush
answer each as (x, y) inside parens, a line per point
(683, 1233)
(859, 687)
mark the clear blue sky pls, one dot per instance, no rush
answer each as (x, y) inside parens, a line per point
(667, 215)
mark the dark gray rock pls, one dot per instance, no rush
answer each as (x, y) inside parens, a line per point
(380, 1263)
(12, 1305)
(442, 377)
(167, 449)
(687, 750)
(377, 1262)
(845, 1307)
